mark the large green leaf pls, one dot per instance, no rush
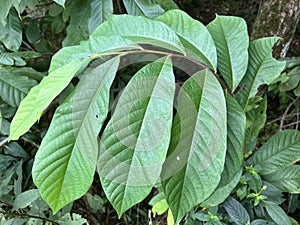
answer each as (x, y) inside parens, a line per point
(194, 36)
(231, 38)
(287, 179)
(279, 152)
(13, 88)
(40, 97)
(11, 33)
(65, 163)
(149, 32)
(134, 144)
(143, 8)
(262, 68)
(85, 17)
(196, 155)
(236, 125)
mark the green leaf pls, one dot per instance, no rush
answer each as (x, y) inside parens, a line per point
(69, 150)
(279, 152)
(5, 9)
(40, 97)
(60, 2)
(25, 199)
(13, 88)
(236, 212)
(231, 38)
(197, 151)
(262, 68)
(293, 80)
(85, 17)
(11, 33)
(256, 119)
(15, 58)
(72, 219)
(236, 123)
(287, 179)
(194, 36)
(150, 32)
(0, 119)
(277, 214)
(134, 144)
(146, 8)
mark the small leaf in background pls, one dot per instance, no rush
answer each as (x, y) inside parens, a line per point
(33, 31)
(85, 17)
(143, 8)
(13, 88)
(231, 38)
(279, 152)
(236, 212)
(72, 219)
(194, 36)
(167, 4)
(26, 198)
(262, 68)
(70, 148)
(134, 144)
(16, 58)
(277, 214)
(256, 119)
(11, 33)
(287, 179)
(0, 118)
(197, 150)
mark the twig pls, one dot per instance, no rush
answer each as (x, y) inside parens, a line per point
(3, 142)
(291, 124)
(286, 112)
(23, 215)
(280, 118)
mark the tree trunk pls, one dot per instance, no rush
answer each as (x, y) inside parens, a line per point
(277, 18)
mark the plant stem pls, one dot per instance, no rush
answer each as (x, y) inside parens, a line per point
(142, 50)
(23, 215)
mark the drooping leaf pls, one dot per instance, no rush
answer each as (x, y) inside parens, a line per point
(236, 211)
(69, 150)
(279, 152)
(13, 88)
(11, 33)
(25, 199)
(150, 32)
(262, 68)
(41, 96)
(85, 17)
(277, 214)
(134, 144)
(196, 154)
(146, 8)
(236, 124)
(231, 38)
(287, 179)
(194, 36)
